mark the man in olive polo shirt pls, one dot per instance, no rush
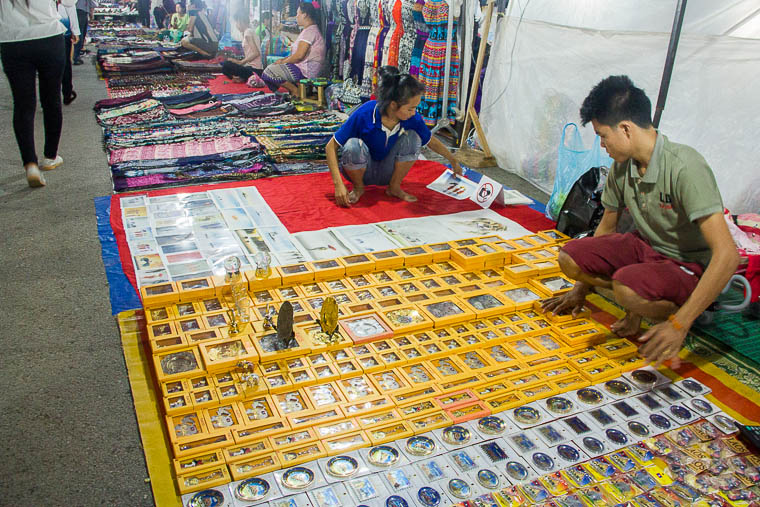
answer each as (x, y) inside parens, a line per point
(681, 255)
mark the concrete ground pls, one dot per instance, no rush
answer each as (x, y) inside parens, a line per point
(67, 423)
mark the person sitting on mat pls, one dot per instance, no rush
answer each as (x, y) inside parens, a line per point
(681, 255)
(200, 36)
(180, 18)
(307, 55)
(239, 70)
(381, 140)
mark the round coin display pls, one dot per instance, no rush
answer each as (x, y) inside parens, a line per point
(517, 471)
(660, 421)
(692, 386)
(593, 444)
(616, 436)
(297, 478)
(459, 488)
(488, 479)
(251, 490)
(342, 466)
(644, 378)
(617, 387)
(559, 405)
(429, 497)
(383, 456)
(526, 415)
(491, 425)
(206, 498)
(638, 429)
(396, 501)
(568, 453)
(544, 462)
(420, 446)
(701, 406)
(456, 435)
(725, 424)
(589, 396)
(680, 412)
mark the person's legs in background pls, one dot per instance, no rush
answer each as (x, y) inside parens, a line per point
(82, 17)
(67, 84)
(159, 14)
(236, 72)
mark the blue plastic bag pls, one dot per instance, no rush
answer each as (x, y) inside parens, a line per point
(573, 161)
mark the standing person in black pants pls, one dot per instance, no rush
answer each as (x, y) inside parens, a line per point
(31, 43)
(84, 14)
(143, 12)
(69, 19)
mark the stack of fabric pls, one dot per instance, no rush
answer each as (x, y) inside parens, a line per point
(295, 138)
(133, 62)
(160, 85)
(146, 150)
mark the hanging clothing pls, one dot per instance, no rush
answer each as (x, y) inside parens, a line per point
(406, 45)
(362, 26)
(433, 64)
(381, 51)
(422, 34)
(396, 31)
(369, 53)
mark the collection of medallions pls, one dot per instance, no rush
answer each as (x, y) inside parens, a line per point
(637, 440)
(428, 337)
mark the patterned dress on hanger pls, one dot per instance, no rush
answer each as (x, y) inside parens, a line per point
(369, 53)
(406, 45)
(359, 47)
(397, 31)
(422, 32)
(347, 20)
(433, 63)
(384, 39)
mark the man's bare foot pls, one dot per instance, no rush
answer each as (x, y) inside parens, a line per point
(355, 194)
(627, 326)
(400, 194)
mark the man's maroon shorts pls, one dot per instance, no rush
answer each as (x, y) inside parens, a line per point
(631, 261)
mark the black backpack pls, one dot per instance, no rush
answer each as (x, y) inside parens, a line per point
(582, 210)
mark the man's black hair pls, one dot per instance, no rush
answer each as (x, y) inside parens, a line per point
(615, 99)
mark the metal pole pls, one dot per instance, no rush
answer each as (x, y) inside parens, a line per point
(675, 35)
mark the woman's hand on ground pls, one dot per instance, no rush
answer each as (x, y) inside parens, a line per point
(341, 195)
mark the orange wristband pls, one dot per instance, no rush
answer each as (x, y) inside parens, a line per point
(677, 325)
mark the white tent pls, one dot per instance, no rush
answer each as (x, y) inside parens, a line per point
(548, 54)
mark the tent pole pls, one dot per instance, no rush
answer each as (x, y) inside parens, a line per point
(675, 35)
(476, 80)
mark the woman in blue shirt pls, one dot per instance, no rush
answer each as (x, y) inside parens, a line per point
(382, 139)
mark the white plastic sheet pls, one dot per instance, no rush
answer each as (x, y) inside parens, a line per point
(539, 74)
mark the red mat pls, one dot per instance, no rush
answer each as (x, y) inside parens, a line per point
(223, 84)
(307, 202)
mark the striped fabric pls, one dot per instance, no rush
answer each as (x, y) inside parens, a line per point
(432, 65)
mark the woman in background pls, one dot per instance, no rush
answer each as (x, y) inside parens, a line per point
(239, 70)
(31, 44)
(307, 55)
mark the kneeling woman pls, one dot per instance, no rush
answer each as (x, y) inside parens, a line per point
(382, 139)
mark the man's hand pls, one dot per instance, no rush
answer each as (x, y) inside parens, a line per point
(572, 301)
(74, 38)
(341, 195)
(456, 168)
(663, 342)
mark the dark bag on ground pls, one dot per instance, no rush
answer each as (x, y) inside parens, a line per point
(582, 210)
